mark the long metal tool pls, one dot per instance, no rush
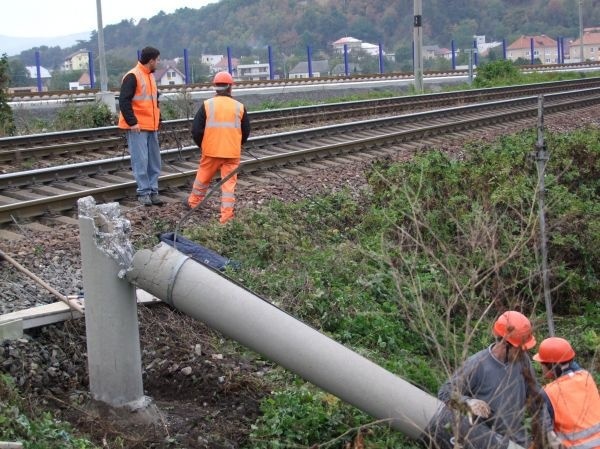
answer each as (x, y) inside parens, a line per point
(72, 303)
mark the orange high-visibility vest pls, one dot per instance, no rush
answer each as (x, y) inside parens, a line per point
(576, 402)
(144, 101)
(223, 129)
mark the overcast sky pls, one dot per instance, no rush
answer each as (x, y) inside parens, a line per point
(50, 18)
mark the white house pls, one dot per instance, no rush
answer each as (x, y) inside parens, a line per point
(77, 61)
(253, 72)
(319, 68)
(169, 76)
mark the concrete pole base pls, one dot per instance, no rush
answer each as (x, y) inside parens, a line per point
(143, 412)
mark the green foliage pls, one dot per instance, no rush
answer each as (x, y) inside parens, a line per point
(34, 431)
(497, 73)
(411, 272)
(61, 78)
(303, 416)
(74, 116)
(7, 124)
(19, 76)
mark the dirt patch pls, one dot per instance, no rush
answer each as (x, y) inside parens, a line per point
(207, 395)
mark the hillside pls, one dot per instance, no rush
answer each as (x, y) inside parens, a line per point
(293, 24)
(248, 26)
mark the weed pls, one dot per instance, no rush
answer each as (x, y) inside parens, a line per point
(34, 431)
(412, 273)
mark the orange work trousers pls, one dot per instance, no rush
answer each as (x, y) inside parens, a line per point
(206, 170)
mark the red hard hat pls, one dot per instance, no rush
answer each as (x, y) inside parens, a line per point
(223, 78)
(515, 328)
(554, 350)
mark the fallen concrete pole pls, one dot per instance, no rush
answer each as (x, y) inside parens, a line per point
(202, 293)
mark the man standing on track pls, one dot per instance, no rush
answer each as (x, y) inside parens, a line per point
(140, 116)
(221, 126)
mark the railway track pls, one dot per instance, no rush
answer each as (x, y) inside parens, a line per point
(34, 151)
(55, 190)
(88, 95)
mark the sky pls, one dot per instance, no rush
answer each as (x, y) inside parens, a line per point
(51, 18)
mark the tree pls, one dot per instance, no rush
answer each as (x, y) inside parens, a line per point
(18, 74)
(61, 79)
(7, 122)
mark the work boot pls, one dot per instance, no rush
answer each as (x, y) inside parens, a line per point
(185, 203)
(156, 200)
(144, 200)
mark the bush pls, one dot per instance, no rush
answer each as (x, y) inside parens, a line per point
(7, 123)
(499, 72)
(35, 432)
(412, 272)
(78, 117)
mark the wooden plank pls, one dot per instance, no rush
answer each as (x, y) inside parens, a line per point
(60, 311)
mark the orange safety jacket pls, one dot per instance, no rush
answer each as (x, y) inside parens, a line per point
(576, 402)
(223, 128)
(144, 101)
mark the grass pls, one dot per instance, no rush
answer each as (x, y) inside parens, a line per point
(412, 273)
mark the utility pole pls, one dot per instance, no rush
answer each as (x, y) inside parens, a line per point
(541, 158)
(581, 31)
(104, 96)
(418, 44)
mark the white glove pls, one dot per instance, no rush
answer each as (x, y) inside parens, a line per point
(553, 440)
(478, 407)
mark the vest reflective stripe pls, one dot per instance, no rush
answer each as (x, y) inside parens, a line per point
(211, 122)
(144, 101)
(223, 128)
(576, 402)
(145, 95)
(199, 189)
(585, 433)
(594, 444)
(227, 199)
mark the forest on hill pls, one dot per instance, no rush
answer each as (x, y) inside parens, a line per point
(247, 27)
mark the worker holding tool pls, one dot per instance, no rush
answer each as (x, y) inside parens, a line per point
(571, 397)
(220, 128)
(494, 385)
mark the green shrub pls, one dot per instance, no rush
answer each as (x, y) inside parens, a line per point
(411, 272)
(74, 116)
(35, 432)
(7, 124)
(499, 72)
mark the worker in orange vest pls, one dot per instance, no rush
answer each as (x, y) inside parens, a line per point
(572, 397)
(140, 116)
(220, 128)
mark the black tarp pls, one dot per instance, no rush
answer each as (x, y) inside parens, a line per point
(198, 252)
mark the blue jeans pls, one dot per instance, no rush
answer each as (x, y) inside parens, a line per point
(145, 160)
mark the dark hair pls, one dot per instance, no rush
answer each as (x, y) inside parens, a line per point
(147, 54)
